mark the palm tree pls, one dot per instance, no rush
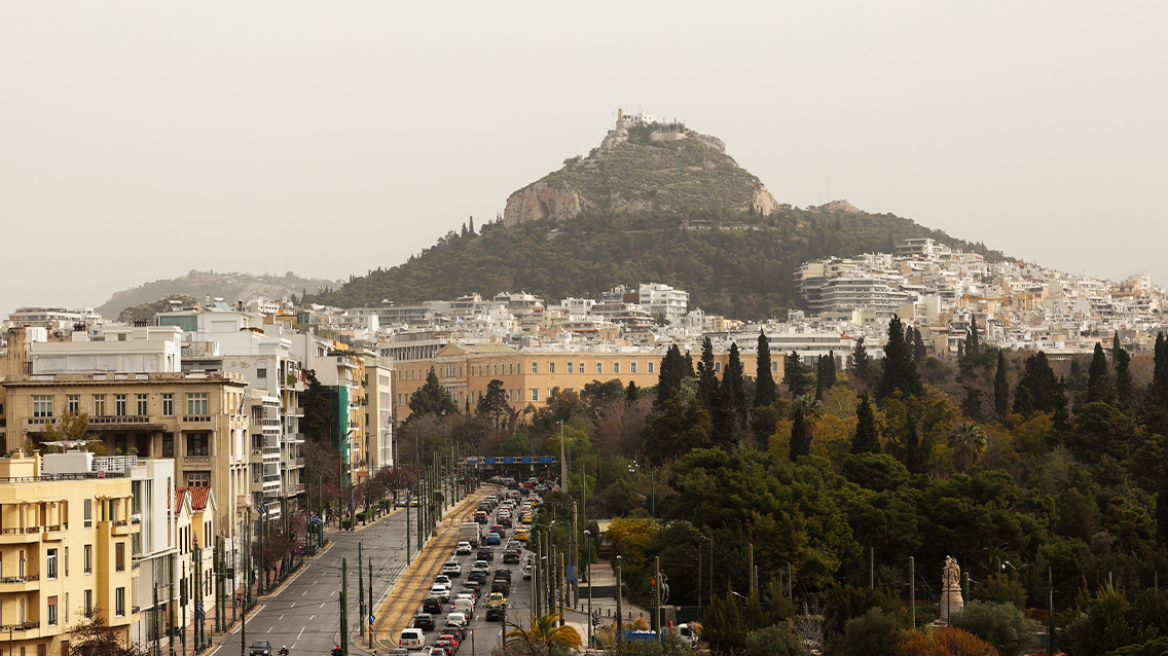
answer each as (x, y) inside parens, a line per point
(544, 637)
(968, 442)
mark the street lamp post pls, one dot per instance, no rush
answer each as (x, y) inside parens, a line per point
(588, 565)
(711, 563)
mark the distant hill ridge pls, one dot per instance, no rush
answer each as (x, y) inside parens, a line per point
(199, 284)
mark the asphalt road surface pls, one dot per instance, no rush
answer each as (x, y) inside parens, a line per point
(305, 614)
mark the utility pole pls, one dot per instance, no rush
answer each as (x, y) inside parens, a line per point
(573, 560)
(620, 622)
(1050, 611)
(561, 586)
(409, 500)
(247, 584)
(912, 590)
(360, 585)
(370, 564)
(184, 598)
(563, 461)
(344, 607)
(535, 578)
(170, 602)
(263, 565)
(750, 566)
(657, 594)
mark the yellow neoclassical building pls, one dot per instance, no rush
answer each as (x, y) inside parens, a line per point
(65, 549)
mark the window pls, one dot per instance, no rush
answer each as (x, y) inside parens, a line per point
(53, 610)
(87, 602)
(199, 479)
(120, 602)
(89, 513)
(197, 404)
(120, 557)
(649, 366)
(599, 367)
(535, 367)
(99, 405)
(120, 405)
(717, 367)
(261, 373)
(581, 367)
(535, 394)
(73, 401)
(551, 367)
(168, 445)
(774, 367)
(88, 559)
(616, 367)
(66, 559)
(142, 410)
(51, 563)
(569, 367)
(168, 405)
(42, 406)
(632, 367)
(198, 444)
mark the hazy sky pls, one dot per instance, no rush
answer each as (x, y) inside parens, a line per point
(141, 140)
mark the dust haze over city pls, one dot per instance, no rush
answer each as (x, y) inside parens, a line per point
(142, 140)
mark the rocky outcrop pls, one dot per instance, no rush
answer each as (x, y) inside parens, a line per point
(540, 201)
(763, 202)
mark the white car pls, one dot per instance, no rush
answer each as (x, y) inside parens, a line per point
(456, 619)
(452, 570)
(465, 596)
(464, 549)
(483, 565)
(440, 591)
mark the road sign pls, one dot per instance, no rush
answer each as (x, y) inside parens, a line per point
(371, 617)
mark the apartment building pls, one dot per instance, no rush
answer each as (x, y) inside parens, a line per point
(65, 549)
(141, 403)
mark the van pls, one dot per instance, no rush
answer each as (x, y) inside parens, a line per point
(412, 639)
(464, 606)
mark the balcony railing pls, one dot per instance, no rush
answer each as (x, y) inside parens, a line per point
(120, 419)
(196, 418)
(26, 626)
(20, 579)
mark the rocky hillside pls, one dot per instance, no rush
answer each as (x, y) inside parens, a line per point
(643, 168)
(228, 286)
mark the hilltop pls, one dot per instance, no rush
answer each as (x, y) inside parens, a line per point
(199, 284)
(642, 167)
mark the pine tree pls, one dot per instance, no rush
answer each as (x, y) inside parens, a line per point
(861, 363)
(900, 372)
(764, 382)
(974, 345)
(867, 438)
(795, 376)
(733, 385)
(1099, 386)
(1001, 389)
(432, 399)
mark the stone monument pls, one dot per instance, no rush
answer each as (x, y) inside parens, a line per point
(951, 600)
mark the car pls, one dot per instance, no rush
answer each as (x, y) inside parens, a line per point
(481, 516)
(444, 580)
(496, 598)
(432, 605)
(499, 530)
(456, 619)
(479, 575)
(445, 644)
(402, 502)
(483, 565)
(436, 651)
(521, 534)
(496, 613)
(412, 638)
(486, 553)
(260, 648)
(424, 621)
(453, 570)
(511, 556)
(440, 591)
(472, 587)
(501, 585)
(494, 539)
(464, 549)
(527, 572)
(529, 519)
(458, 634)
(506, 521)
(399, 651)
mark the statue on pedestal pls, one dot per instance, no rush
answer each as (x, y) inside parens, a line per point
(951, 599)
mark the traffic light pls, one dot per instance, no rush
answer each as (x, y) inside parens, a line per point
(337, 651)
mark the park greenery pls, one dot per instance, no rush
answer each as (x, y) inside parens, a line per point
(1041, 477)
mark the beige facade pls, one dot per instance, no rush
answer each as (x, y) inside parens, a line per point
(65, 548)
(529, 376)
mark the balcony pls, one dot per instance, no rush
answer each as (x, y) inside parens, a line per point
(271, 453)
(196, 461)
(26, 626)
(19, 583)
(124, 422)
(20, 535)
(125, 526)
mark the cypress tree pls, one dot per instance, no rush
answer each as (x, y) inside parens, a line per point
(669, 377)
(1160, 372)
(1125, 386)
(1115, 345)
(1001, 389)
(867, 439)
(733, 385)
(1099, 385)
(1040, 383)
(631, 392)
(795, 376)
(974, 345)
(1162, 507)
(971, 404)
(1023, 401)
(919, 350)
(960, 349)
(708, 386)
(1062, 413)
(861, 363)
(800, 437)
(900, 372)
(472, 230)
(764, 382)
